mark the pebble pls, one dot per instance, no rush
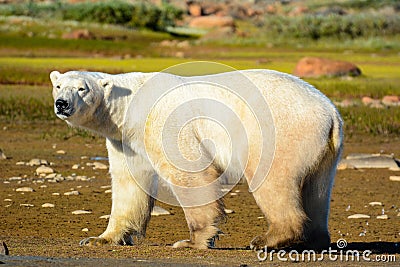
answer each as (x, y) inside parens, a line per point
(15, 178)
(228, 211)
(375, 203)
(55, 194)
(43, 186)
(44, 170)
(51, 176)
(79, 212)
(108, 191)
(60, 152)
(233, 194)
(105, 216)
(157, 211)
(26, 205)
(99, 166)
(48, 205)
(25, 189)
(37, 162)
(394, 178)
(8, 199)
(85, 230)
(82, 178)
(72, 193)
(359, 216)
(382, 217)
(75, 166)
(20, 163)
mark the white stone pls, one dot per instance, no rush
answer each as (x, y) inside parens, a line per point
(75, 166)
(34, 162)
(44, 170)
(25, 189)
(233, 194)
(20, 163)
(60, 152)
(82, 178)
(48, 205)
(51, 176)
(228, 211)
(382, 217)
(394, 178)
(79, 212)
(108, 191)
(359, 216)
(85, 230)
(157, 211)
(26, 205)
(375, 203)
(72, 193)
(43, 186)
(55, 194)
(99, 166)
(8, 199)
(105, 216)
(15, 178)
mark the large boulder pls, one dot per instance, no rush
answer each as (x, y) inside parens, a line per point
(209, 22)
(313, 67)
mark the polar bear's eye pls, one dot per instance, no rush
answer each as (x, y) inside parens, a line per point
(81, 89)
(58, 87)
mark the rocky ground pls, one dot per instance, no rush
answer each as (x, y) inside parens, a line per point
(45, 211)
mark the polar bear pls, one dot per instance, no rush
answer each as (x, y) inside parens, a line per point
(295, 193)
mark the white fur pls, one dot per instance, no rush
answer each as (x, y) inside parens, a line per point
(295, 195)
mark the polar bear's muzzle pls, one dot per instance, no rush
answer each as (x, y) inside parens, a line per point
(63, 108)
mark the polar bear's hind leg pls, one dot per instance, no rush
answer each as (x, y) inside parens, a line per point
(280, 204)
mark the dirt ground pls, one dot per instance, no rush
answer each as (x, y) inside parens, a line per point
(39, 236)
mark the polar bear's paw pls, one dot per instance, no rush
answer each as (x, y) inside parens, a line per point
(94, 241)
(189, 244)
(259, 242)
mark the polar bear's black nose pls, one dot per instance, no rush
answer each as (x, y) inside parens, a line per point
(61, 104)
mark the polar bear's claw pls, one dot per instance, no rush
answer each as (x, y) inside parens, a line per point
(259, 242)
(94, 241)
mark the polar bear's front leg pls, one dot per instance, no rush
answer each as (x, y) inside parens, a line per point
(131, 205)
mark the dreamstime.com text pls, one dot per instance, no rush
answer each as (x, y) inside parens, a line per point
(340, 254)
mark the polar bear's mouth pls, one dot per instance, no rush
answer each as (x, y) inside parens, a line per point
(63, 114)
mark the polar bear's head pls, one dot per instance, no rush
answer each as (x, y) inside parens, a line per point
(77, 95)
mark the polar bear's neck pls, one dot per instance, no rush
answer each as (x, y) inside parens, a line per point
(109, 118)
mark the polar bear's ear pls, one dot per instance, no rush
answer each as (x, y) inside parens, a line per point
(54, 75)
(107, 84)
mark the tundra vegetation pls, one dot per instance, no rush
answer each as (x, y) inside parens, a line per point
(122, 36)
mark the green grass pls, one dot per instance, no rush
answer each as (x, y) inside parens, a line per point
(371, 121)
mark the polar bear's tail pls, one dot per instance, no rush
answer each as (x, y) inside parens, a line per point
(336, 135)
